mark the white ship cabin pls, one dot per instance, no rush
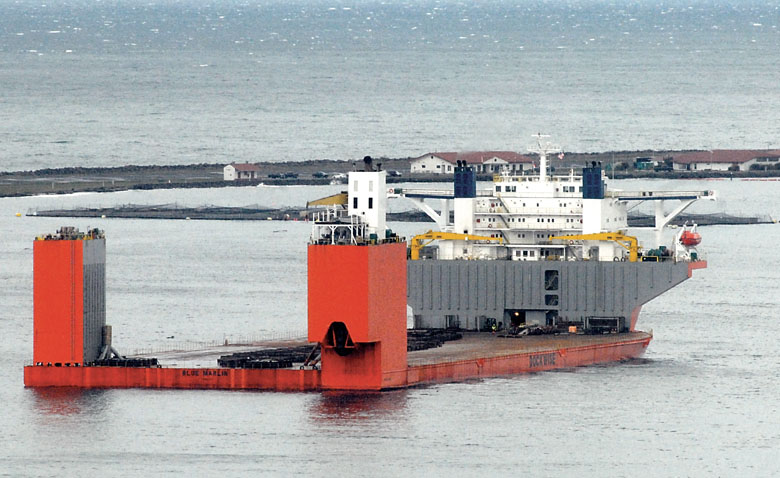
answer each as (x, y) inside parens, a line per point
(357, 217)
(368, 199)
(526, 211)
(518, 216)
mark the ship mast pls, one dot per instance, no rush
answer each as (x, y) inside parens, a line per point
(542, 150)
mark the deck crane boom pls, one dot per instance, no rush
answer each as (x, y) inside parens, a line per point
(418, 241)
(629, 243)
(339, 199)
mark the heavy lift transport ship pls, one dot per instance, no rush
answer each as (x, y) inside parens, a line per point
(357, 298)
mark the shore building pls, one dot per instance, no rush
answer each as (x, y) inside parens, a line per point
(483, 162)
(234, 171)
(725, 160)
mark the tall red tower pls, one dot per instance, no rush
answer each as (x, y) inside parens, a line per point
(357, 288)
(69, 307)
(357, 312)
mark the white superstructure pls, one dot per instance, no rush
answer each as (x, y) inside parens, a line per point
(357, 216)
(368, 199)
(524, 216)
(525, 211)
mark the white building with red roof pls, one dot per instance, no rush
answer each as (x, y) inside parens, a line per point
(725, 160)
(483, 162)
(234, 171)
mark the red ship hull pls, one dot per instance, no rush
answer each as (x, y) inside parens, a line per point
(359, 330)
(429, 370)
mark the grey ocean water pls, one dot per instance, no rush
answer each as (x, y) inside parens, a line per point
(172, 82)
(112, 83)
(703, 401)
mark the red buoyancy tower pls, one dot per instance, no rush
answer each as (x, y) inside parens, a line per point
(69, 311)
(357, 290)
(357, 312)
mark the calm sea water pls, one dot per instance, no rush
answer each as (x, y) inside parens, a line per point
(112, 83)
(130, 82)
(703, 401)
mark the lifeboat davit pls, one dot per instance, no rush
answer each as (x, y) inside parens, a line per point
(690, 238)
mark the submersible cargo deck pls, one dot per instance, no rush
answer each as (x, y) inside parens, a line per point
(567, 295)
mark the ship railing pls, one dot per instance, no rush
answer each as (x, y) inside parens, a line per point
(549, 343)
(499, 178)
(673, 258)
(434, 193)
(259, 340)
(354, 232)
(329, 216)
(639, 195)
(531, 226)
(438, 193)
(532, 211)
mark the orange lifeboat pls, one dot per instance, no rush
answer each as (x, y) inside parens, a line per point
(690, 238)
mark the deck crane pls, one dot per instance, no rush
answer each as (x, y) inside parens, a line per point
(629, 243)
(418, 241)
(339, 199)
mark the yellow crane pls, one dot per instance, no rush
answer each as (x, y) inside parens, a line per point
(418, 241)
(339, 199)
(629, 243)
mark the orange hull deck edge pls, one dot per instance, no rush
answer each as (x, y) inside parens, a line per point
(614, 349)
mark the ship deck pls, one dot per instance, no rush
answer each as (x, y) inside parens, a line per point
(476, 355)
(473, 345)
(476, 345)
(207, 357)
